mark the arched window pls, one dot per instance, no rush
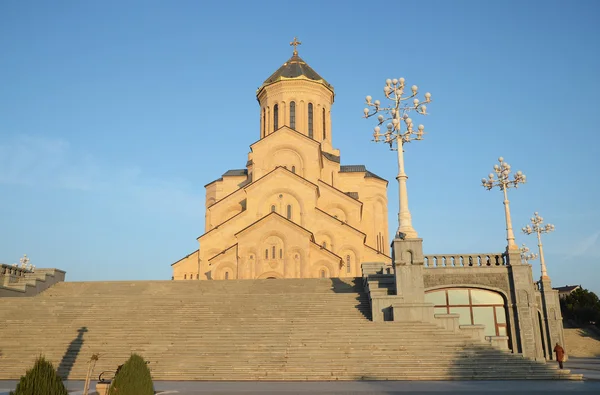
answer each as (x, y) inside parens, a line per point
(185, 276)
(267, 253)
(273, 252)
(275, 117)
(310, 120)
(273, 208)
(322, 273)
(264, 122)
(294, 169)
(281, 253)
(289, 211)
(293, 115)
(348, 269)
(324, 244)
(197, 276)
(226, 275)
(475, 306)
(324, 125)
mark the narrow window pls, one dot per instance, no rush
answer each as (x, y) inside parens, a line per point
(293, 115)
(294, 169)
(197, 276)
(275, 117)
(322, 273)
(264, 131)
(324, 244)
(281, 253)
(348, 264)
(324, 125)
(185, 276)
(267, 253)
(226, 275)
(310, 120)
(273, 208)
(273, 252)
(289, 211)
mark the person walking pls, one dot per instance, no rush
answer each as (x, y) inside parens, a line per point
(560, 355)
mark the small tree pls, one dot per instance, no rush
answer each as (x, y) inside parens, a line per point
(40, 380)
(133, 378)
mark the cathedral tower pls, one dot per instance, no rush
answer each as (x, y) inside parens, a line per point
(293, 211)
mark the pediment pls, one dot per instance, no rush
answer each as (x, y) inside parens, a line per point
(277, 173)
(271, 221)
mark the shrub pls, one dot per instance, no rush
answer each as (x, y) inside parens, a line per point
(133, 378)
(40, 380)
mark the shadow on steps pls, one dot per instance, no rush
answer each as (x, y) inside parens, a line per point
(355, 286)
(70, 356)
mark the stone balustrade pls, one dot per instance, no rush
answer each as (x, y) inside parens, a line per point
(466, 260)
(9, 270)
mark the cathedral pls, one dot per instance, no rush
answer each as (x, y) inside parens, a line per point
(294, 211)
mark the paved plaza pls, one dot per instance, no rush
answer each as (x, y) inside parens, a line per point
(589, 367)
(358, 387)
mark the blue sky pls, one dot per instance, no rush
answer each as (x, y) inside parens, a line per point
(114, 115)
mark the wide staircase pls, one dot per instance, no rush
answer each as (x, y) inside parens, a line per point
(295, 329)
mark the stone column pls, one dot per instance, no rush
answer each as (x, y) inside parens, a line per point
(524, 307)
(552, 317)
(407, 256)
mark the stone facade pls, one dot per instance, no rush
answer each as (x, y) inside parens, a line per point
(533, 318)
(294, 211)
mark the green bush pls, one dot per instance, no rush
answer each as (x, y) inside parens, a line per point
(582, 306)
(133, 378)
(40, 380)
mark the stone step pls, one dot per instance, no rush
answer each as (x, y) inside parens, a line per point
(302, 329)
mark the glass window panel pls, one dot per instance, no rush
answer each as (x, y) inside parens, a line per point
(479, 296)
(438, 298)
(293, 115)
(485, 316)
(465, 314)
(502, 331)
(440, 310)
(458, 296)
(500, 315)
(310, 120)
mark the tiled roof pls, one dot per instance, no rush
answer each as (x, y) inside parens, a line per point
(331, 157)
(353, 195)
(567, 288)
(236, 172)
(294, 68)
(359, 169)
(352, 168)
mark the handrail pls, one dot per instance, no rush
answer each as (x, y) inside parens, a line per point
(492, 259)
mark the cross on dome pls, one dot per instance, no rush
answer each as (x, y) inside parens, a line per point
(295, 44)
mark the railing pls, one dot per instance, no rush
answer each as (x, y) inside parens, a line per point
(13, 270)
(466, 260)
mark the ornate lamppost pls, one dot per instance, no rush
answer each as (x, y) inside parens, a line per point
(502, 180)
(537, 226)
(527, 255)
(400, 130)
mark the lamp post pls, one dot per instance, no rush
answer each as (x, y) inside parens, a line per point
(537, 226)
(502, 180)
(526, 255)
(400, 130)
